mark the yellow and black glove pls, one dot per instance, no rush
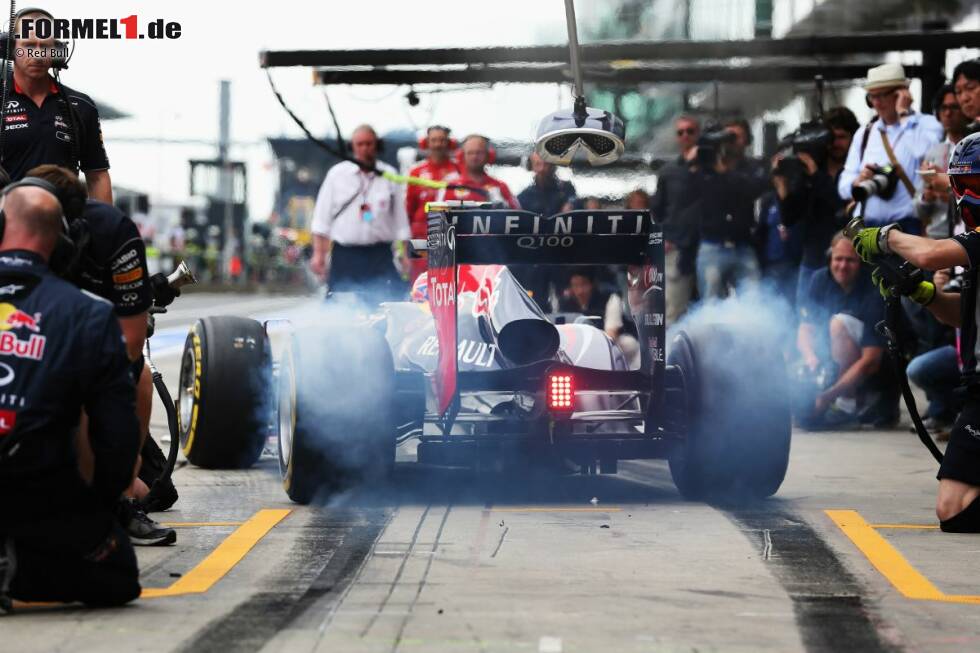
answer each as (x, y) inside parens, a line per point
(871, 242)
(922, 294)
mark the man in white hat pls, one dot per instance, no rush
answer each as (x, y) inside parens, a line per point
(886, 144)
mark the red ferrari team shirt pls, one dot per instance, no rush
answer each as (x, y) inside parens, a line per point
(417, 196)
(497, 190)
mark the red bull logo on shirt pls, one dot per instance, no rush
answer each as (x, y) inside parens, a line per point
(12, 318)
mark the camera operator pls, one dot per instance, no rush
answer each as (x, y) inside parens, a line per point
(47, 122)
(729, 184)
(110, 262)
(883, 162)
(957, 506)
(62, 351)
(806, 185)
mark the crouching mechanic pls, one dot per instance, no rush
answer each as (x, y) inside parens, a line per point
(110, 262)
(957, 504)
(61, 350)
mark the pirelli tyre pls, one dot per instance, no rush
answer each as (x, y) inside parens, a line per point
(335, 410)
(738, 414)
(224, 400)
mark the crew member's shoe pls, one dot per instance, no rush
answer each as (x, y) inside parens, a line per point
(142, 530)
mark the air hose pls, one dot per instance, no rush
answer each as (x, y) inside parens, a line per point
(898, 274)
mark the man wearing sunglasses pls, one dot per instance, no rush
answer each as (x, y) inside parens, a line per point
(673, 205)
(889, 142)
(958, 502)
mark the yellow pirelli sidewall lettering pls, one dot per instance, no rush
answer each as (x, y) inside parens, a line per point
(192, 427)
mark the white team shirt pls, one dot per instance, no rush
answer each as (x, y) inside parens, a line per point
(355, 207)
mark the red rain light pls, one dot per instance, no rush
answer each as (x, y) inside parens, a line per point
(561, 392)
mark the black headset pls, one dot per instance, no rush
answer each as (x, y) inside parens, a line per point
(59, 62)
(64, 256)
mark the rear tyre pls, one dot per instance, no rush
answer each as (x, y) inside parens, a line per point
(335, 410)
(223, 403)
(738, 414)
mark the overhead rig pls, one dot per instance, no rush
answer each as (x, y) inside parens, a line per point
(746, 61)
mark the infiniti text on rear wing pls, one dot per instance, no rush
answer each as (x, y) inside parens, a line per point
(494, 236)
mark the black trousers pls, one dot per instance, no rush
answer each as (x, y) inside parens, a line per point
(961, 462)
(367, 270)
(82, 556)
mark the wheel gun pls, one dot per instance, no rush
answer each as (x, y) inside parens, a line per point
(901, 276)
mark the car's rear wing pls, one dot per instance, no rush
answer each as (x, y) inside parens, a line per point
(506, 236)
(484, 236)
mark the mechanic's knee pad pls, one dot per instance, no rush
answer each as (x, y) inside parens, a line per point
(965, 521)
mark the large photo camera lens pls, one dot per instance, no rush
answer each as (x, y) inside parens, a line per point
(882, 183)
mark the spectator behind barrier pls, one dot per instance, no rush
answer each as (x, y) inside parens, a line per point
(932, 202)
(888, 146)
(966, 83)
(675, 206)
(837, 340)
(547, 195)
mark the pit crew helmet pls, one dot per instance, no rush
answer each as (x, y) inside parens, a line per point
(964, 178)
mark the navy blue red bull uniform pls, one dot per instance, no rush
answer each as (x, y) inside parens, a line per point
(113, 266)
(113, 263)
(35, 135)
(61, 350)
(962, 459)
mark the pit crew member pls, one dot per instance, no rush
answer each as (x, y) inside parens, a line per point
(47, 122)
(61, 350)
(110, 262)
(358, 217)
(438, 144)
(957, 503)
(476, 153)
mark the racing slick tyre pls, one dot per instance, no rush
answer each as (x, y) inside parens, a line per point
(224, 404)
(335, 411)
(737, 412)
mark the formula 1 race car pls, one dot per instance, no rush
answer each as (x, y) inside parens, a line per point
(480, 376)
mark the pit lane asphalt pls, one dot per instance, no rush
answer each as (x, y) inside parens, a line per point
(444, 560)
